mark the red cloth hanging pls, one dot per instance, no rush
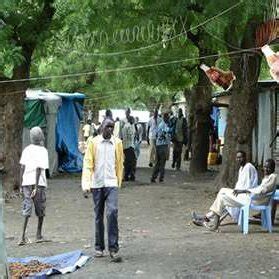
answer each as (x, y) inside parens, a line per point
(219, 77)
(272, 59)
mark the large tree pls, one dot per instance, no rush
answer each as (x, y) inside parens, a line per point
(243, 106)
(145, 41)
(24, 24)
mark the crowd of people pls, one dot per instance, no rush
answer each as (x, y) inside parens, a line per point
(161, 131)
(111, 157)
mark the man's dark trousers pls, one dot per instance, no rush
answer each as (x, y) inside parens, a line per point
(161, 155)
(106, 196)
(130, 163)
(177, 151)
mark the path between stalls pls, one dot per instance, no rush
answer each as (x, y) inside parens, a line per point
(157, 238)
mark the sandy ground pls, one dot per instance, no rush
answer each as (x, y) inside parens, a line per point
(157, 238)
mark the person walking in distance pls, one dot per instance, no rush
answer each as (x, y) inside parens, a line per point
(153, 124)
(102, 175)
(180, 133)
(130, 160)
(163, 136)
(138, 136)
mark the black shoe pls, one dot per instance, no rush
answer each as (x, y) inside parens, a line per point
(114, 257)
(150, 165)
(161, 180)
(173, 165)
(132, 178)
(153, 180)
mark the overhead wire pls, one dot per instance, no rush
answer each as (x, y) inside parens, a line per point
(129, 68)
(172, 38)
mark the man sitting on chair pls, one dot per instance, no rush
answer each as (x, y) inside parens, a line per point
(247, 179)
(227, 197)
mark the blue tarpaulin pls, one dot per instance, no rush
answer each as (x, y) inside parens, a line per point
(67, 132)
(215, 115)
(62, 263)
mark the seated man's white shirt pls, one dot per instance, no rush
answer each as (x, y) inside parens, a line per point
(266, 185)
(33, 157)
(247, 179)
(104, 169)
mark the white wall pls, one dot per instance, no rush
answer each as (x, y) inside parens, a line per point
(120, 113)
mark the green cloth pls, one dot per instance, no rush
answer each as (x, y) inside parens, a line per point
(34, 114)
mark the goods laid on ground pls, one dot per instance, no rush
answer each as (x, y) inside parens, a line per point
(19, 270)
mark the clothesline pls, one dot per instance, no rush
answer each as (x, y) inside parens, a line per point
(129, 68)
(107, 94)
(172, 38)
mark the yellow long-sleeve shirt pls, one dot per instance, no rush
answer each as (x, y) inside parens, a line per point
(90, 157)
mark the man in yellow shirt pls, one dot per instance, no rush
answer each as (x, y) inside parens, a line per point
(102, 175)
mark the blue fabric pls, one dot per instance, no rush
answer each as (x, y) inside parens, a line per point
(60, 262)
(215, 115)
(163, 134)
(67, 131)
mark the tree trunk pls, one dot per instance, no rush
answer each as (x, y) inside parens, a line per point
(199, 113)
(12, 112)
(12, 100)
(242, 110)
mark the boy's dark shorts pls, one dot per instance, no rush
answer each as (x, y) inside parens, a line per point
(39, 201)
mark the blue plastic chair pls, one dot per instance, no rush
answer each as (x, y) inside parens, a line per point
(243, 220)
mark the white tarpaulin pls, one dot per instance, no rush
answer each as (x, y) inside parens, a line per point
(51, 106)
(263, 133)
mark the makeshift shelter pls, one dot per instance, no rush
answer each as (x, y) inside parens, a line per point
(59, 115)
(67, 131)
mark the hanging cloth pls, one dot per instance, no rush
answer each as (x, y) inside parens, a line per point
(219, 77)
(272, 59)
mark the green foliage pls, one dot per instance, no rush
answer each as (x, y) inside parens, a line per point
(88, 36)
(22, 29)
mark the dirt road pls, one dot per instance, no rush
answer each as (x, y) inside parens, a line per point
(157, 238)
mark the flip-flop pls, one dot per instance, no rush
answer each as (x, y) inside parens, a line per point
(24, 242)
(41, 240)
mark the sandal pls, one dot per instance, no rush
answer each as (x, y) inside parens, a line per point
(40, 240)
(23, 242)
